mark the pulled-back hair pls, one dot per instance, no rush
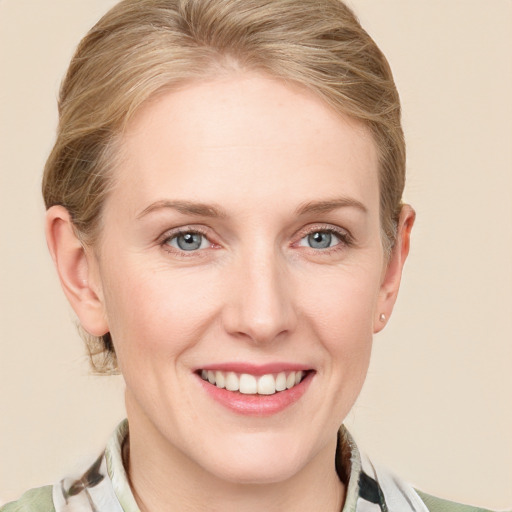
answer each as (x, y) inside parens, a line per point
(142, 47)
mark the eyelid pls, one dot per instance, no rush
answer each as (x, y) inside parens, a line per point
(173, 232)
(330, 228)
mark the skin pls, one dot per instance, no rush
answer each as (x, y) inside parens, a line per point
(256, 291)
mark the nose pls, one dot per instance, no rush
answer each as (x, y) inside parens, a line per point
(260, 307)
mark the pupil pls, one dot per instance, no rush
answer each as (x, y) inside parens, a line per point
(320, 240)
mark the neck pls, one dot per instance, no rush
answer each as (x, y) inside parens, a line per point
(161, 475)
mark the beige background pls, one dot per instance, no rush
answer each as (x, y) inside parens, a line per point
(437, 406)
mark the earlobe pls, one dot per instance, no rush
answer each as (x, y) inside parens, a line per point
(74, 265)
(393, 272)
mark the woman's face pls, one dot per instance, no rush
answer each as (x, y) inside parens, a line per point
(242, 244)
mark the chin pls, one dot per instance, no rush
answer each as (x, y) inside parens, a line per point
(258, 460)
(250, 472)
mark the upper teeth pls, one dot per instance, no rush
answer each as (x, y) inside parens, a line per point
(248, 384)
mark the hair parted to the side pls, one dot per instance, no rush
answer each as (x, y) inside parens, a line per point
(141, 47)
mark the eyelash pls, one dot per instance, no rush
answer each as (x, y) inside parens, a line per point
(344, 237)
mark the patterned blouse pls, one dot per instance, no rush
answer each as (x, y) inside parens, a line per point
(104, 487)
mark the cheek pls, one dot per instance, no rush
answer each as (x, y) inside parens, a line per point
(343, 300)
(340, 306)
(155, 314)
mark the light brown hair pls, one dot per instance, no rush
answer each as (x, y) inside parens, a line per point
(141, 47)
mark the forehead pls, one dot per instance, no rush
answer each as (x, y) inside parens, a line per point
(249, 135)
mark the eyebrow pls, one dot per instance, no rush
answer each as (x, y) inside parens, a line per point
(213, 211)
(185, 207)
(329, 205)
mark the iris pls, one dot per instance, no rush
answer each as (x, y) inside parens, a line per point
(320, 240)
(189, 241)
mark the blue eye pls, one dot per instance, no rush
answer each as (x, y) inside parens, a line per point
(189, 241)
(320, 240)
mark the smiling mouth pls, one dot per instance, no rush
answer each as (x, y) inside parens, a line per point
(248, 384)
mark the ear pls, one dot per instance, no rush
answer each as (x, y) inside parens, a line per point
(77, 269)
(392, 274)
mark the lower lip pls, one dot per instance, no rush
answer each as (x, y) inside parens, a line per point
(257, 405)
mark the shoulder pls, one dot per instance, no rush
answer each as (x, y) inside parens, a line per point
(373, 484)
(439, 505)
(35, 500)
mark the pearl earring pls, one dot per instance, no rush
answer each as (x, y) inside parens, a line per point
(382, 317)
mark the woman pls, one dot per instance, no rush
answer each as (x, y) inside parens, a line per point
(224, 211)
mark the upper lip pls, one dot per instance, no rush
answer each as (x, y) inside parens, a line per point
(255, 369)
